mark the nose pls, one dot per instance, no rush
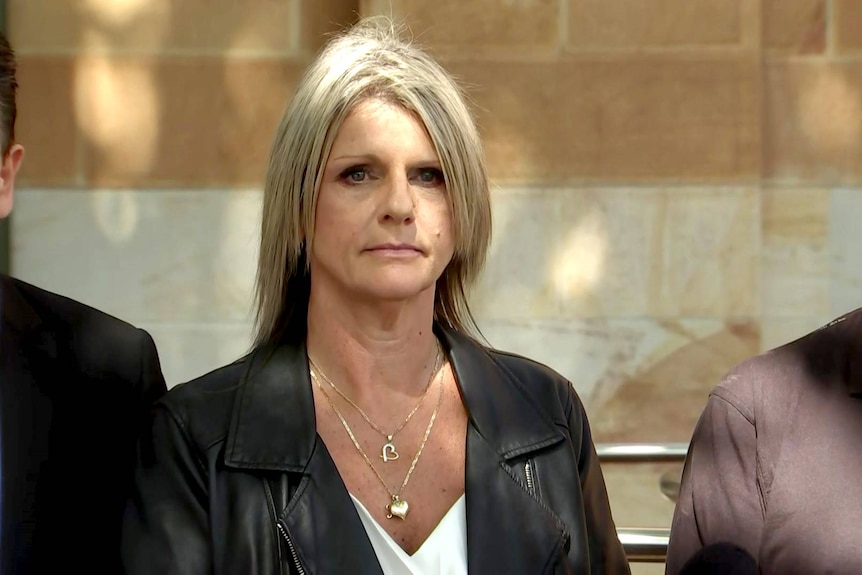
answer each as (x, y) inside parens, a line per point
(399, 203)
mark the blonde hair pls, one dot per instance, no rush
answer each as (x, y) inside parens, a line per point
(369, 60)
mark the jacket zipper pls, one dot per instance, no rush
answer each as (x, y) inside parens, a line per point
(530, 476)
(293, 554)
(280, 529)
(528, 473)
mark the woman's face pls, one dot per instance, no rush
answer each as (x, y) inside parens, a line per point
(383, 225)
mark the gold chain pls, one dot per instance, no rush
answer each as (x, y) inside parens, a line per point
(397, 507)
(388, 452)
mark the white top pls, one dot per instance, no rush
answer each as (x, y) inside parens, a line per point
(443, 553)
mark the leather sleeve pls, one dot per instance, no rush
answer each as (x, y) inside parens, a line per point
(165, 530)
(719, 500)
(606, 551)
(152, 381)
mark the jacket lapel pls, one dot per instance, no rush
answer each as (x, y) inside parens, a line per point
(324, 525)
(501, 512)
(320, 519)
(505, 425)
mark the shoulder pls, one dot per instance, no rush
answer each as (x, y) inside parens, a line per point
(543, 385)
(828, 355)
(539, 376)
(203, 406)
(537, 381)
(79, 336)
(65, 314)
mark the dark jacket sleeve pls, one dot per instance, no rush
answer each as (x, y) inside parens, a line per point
(152, 381)
(606, 551)
(166, 522)
(719, 500)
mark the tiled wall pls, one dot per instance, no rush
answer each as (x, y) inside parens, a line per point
(677, 181)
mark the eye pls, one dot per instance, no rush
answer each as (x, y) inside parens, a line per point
(354, 174)
(431, 176)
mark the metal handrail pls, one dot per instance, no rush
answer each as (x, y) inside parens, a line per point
(645, 545)
(642, 452)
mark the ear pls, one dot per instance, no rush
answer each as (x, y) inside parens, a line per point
(8, 171)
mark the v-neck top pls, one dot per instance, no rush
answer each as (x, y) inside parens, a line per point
(444, 552)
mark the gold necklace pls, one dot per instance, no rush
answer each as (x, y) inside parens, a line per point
(397, 507)
(387, 452)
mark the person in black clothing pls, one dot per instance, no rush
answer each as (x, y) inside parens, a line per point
(370, 431)
(75, 388)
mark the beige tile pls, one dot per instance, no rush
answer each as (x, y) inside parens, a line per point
(647, 568)
(640, 379)
(146, 256)
(189, 351)
(621, 252)
(271, 27)
(847, 22)
(845, 239)
(795, 252)
(661, 398)
(794, 26)
(659, 23)
(197, 121)
(629, 119)
(46, 124)
(518, 282)
(813, 122)
(321, 18)
(709, 249)
(44, 26)
(458, 28)
(593, 354)
(775, 332)
(660, 253)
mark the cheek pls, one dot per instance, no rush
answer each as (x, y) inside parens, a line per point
(448, 225)
(444, 229)
(331, 217)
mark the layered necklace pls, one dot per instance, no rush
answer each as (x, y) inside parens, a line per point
(397, 506)
(388, 452)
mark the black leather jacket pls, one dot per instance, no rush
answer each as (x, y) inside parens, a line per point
(236, 480)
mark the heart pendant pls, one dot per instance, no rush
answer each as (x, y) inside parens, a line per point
(398, 508)
(388, 453)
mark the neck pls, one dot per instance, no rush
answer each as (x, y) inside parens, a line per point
(369, 349)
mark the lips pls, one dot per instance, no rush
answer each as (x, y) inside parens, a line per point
(396, 249)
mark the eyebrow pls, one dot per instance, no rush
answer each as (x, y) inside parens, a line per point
(374, 158)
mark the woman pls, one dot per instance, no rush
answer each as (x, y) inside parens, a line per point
(368, 432)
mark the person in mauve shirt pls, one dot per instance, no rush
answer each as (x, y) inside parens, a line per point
(775, 460)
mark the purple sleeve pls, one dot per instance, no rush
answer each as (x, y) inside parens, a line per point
(719, 500)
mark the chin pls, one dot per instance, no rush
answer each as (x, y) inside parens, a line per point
(397, 289)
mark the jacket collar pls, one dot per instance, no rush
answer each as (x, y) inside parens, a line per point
(273, 423)
(500, 409)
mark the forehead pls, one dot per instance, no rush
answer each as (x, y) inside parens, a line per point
(375, 125)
